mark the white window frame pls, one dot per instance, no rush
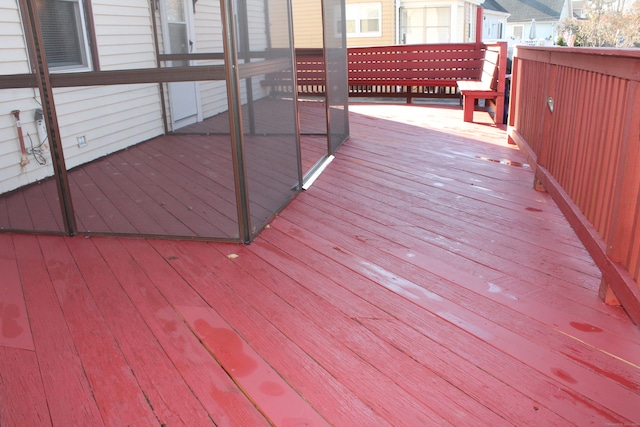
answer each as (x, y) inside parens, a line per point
(85, 53)
(520, 29)
(422, 29)
(353, 13)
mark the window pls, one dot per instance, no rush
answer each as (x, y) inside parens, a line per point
(64, 34)
(517, 31)
(364, 20)
(426, 25)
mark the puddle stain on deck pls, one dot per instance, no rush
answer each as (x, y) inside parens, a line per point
(229, 348)
(495, 289)
(10, 314)
(278, 402)
(585, 327)
(398, 284)
(15, 330)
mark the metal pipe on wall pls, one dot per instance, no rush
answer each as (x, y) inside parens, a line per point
(24, 160)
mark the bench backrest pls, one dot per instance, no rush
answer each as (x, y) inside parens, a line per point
(413, 64)
(490, 69)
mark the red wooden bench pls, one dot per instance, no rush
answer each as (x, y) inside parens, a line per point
(490, 86)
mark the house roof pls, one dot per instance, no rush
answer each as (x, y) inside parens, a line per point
(494, 6)
(526, 10)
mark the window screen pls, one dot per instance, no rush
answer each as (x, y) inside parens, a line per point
(63, 33)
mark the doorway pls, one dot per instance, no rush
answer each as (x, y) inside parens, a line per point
(178, 38)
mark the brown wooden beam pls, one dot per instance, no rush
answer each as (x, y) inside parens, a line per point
(17, 81)
(144, 75)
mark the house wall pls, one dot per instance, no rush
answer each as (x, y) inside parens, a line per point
(492, 22)
(113, 117)
(14, 59)
(307, 27)
(307, 23)
(461, 23)
(258, 41)
(544, 30)
(388, 26)
(278, 29)
(208, 39)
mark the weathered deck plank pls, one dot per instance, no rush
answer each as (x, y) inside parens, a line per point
(61, 370)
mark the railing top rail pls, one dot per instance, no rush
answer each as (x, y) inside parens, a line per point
(621, 63)
(600, 51)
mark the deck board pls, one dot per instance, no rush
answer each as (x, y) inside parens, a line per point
(115, 387)
(194, 385)
(420, 281)
(14, 327)
(61, 368)
(164, 388)
(22, 382)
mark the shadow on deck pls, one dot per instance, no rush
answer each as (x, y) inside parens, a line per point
(420, 281)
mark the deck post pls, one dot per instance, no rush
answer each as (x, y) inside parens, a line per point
(36, 45)
(479, 20)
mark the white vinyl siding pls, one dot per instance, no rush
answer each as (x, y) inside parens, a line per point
(110, 117)
(257, 40)
(14, 60)
(257, 28)
(12, 46)
(124, 33)
(113, 117)
(12, 175)
(213, 94)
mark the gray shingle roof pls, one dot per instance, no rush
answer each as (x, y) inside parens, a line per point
(526, 10)
(493, 5)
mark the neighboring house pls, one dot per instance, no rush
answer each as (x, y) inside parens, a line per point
(369, 23)
(82, 35)
(432, 21)
(387, 22)
(494, 22)
(546, 13)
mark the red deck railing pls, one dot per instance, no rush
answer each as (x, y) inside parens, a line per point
(575, 111)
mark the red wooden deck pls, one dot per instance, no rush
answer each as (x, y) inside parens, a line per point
(420, 281)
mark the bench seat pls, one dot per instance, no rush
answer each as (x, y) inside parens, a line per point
(472, 90)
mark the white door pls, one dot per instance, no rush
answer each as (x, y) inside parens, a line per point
(177, 16)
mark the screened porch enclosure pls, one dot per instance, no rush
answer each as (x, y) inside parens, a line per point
(162, 126)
